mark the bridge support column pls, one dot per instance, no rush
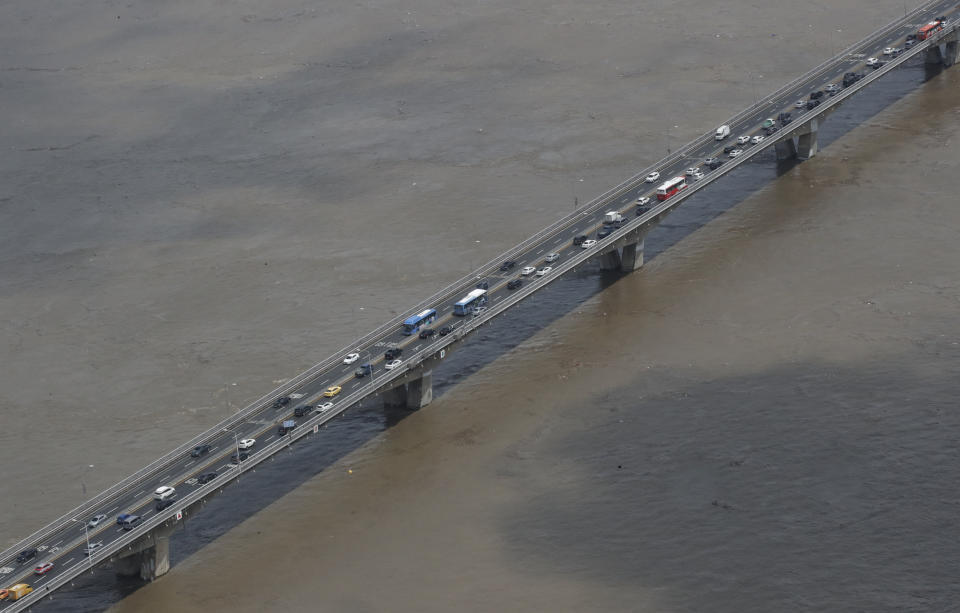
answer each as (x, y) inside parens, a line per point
(413, 395)
(631, 258)
(610, 260)
(951, 53)
(786, 149)
(807, 141)
(932, 55)
(150, 557)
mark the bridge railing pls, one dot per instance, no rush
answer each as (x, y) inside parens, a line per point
(291, 386)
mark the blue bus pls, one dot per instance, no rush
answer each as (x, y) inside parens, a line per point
(413, 323)
(474, 298)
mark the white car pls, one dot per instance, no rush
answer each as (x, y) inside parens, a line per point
(872, 61)
(697, 176)
(653, 176)
(247, 443)
(544, 271)
(588, 243)
(889, 51)
(691, 171)
(743, 140)
(551, 257)
(96, 520)
(326, 406)
(92, 548)
(527, 270)
(478, 310)
(736, 152)
(351, 358)
(831, 87)
(800, 104)
(164, 492)
(756, 140)
(643, 200)
(393, 364)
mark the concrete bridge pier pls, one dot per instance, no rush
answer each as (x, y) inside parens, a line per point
(149, 557)
(412, 395)
(948, 55)
(626, 255)
(631, 258)
(786, 149)
(610, 260)
(807, 141)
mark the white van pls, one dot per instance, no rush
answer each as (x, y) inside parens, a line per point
(723, 132)
(164, 492)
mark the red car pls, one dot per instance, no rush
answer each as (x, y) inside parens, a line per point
(43, 569)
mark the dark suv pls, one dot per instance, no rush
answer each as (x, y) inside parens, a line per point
(445, 330)
(507, 265)
(163, 504)
(427, 333)
(26, 554)
(200, 450)
(392, 353)
(302, 410)
(515, 284)
(483, 284)
(206, 478)
(604, 232)
(282, 401)
(578, 240)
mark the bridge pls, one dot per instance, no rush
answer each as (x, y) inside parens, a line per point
(205, 467)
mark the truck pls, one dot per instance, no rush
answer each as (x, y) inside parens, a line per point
(286, 426)
(611, 218)
(17, 591)
(722, 132)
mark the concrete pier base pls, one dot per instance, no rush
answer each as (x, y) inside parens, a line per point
(412, 395)
(786, 149)
(610, 260)
(932, 55)
(150, 556)
(951, 53)
(807, 141)
(631, 258)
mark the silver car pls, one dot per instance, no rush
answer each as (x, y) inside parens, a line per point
(96, 520)
(551, 257)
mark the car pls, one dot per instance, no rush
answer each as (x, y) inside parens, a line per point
(604, 232)
(332, 391)
(123, 517)
(588, 243)
(889, 50)
(527, 270)
(507, 265)
(715, 163)
(247, 443)
(302, 410)
(350, 358)
(243, 455)
(514, 284)
(392, 365)
(392, 353)
(831, 88)
(800, 104)
(697, 176)
(26, 555)
(43, 568)
(710, 160)
(653, 176)
(163, 492)
(784, 119)
(816, 95)
(427, 333)
(813, 104)
(736, 152)
(206, 478)
(878, 64)
(578, 240)
(872, 61)
(92, 548)
(96, 520)
(756, 140)
(909, 43)
(200, 450)
(363, 370)
(445, 331)
(282, 401)
(691, 170)
(773, 129)
(544, 271)
(326, 406)
(163, 504)
(551, 257)
(643, 200)
(483, 284)
(769, 121)
(729, 148)
(742, 140)
(478, 310)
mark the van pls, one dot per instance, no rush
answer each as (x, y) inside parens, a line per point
(130, 522)
(18, 591)
(723, 132)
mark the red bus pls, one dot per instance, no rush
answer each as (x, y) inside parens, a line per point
(925, 32)
(671, 187)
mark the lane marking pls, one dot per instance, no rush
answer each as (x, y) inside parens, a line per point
(140, 493)
(112, 510)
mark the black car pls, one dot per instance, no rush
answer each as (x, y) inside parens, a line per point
(507, 265)
(445, 330)
(363, 371)
(282, 401)
(604, 232)
(483, 284)
(770, 130)
(729, 148)
(812, 104)
(514, 284)
(578, 240)
(393, 353)
(163, 504)
(816, 95)
(26, 554)
(302, 410)
(642, 208)
(239, 457)
(200, 450)
(206, 478)
(784, 117)
(715, 164)
(427, 333)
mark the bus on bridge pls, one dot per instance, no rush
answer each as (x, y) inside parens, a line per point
(474, 298)
(412, 324)
(671, 187)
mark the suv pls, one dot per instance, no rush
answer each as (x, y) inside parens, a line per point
(363, 370)
(812, 104)
(25, 555)
(393, 353)
(729, 148)
(200, 450)
(604, 232)
(507, 265)
(445, 331)
(816, 95)
(578, 240)
(302, 410)
(514, 284)
(715, 163)
(282, 401)
(427, 333)
(163, 504)
(206, 478)
(285, 427)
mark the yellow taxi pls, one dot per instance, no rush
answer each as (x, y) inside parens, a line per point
(332, 391)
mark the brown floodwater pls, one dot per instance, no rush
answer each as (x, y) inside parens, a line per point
(199, 201)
